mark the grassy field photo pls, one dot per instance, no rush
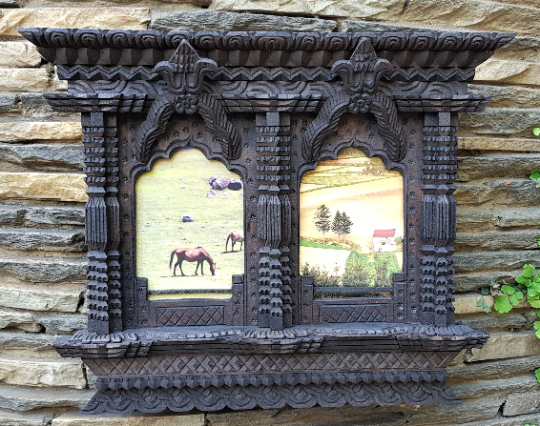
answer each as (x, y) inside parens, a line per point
(176, 188)
(342, 204)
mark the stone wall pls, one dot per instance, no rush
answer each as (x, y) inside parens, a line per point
(42, 205)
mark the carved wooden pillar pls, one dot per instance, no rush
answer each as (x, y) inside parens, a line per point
(438, 218)
(113, 222)
(274, 212)
(93, 127)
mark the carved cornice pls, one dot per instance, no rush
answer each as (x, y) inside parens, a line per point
(262, 49)
(431, 74)
(104, 72)
(136, 103)
(266, 41)
(110, 102)
(271, 74)
(144, 73)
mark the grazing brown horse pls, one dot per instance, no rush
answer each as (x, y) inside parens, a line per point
(235, 237)
(196, 254)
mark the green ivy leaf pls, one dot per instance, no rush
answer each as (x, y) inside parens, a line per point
(535, 303)
(532, 292)
(537, 374)
(528, 271)
(508, 289)
(538, 313)
(538, 242)
(502, 304)
(536, 131)
(514, 299)
(535, 176)
(485, 291)
(523, 280)
(481, 304)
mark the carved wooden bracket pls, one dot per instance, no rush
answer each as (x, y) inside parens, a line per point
(269, 106)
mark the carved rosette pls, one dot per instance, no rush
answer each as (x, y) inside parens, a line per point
(438, 218)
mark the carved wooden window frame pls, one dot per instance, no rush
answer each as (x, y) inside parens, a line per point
(269, 105)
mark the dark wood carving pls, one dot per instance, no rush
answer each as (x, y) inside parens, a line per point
(269, 106)
(184, 73)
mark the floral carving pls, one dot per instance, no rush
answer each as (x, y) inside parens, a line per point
(361, 74)
(184, 74)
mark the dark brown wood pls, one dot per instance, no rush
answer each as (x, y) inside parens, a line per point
(269, 106)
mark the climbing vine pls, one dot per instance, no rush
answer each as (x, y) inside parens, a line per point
(527, 286)
(535, 176)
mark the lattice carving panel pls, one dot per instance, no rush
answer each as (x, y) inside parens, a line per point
(348, 313)
(264, 364)
(191, 316)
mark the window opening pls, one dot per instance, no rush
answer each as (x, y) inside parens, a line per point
(351, 223)
(189, 227)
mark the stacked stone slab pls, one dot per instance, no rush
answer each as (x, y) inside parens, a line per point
(42, 194)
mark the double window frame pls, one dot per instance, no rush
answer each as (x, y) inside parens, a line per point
(270, 106)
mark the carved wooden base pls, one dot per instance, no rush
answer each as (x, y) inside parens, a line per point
(213, 381)
(155, 400)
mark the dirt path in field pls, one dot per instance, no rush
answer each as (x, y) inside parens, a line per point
(362, 189)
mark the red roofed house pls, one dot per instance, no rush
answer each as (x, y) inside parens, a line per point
(383, 240)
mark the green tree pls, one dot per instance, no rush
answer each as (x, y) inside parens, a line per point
(341, 224)
(357, 273)
(346, 224)
(322, 219)
(337, 224)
